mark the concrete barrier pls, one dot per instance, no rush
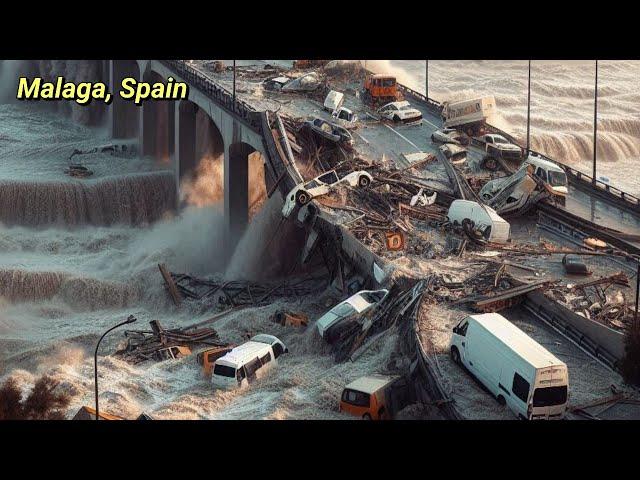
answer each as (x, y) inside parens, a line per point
(601, 341)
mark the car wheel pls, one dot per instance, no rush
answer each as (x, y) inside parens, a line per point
(455, 355)
(501, 401)
(433, 139)
(396, 118)
(302, 197)
(364, 181)
(366, 416)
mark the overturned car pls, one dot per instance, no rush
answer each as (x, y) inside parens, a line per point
(321, 185)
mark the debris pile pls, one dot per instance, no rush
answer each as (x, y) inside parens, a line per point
(239, 292)
(598, 300)
(160, 344)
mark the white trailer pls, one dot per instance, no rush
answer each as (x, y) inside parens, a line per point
(516, 369)
(469, 115)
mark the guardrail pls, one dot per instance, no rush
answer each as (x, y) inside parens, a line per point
(243, 111)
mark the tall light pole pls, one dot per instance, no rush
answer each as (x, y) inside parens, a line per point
(426, 79)
(595, 126)
(529, 110)
(234, 84)
(130, 319)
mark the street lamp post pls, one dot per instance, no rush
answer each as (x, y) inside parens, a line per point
(595, 125)
(130, 319)
(529, 109)
(234, 84)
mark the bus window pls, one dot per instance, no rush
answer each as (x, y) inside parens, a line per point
(224, 371)
(277, 350)
(266, 359)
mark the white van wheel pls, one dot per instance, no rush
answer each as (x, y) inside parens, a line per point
(455, 355)
(502, 401)
(366, 416)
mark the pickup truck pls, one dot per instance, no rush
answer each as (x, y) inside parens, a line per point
(499, 147)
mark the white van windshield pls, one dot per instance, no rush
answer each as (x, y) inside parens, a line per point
(550, 396)
(224, 371)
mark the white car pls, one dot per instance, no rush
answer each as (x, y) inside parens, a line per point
(499, 147)
(356, 304)
(321, 185)
(450, 135)
(400, 112)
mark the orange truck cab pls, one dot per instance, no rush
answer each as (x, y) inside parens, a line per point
(381, 88)
(208, 357)
(366, 397)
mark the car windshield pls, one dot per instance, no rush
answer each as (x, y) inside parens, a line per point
(549, 396)
(372, 297)
(500, 140)
(224, 371)
(343, 310)
(557, 179)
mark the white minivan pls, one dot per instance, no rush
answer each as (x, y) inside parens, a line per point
(246, 362)
(516, 369)
(494, 228)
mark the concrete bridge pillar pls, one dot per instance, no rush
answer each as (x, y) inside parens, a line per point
(123, 115)
(236, 193)
(184, 147)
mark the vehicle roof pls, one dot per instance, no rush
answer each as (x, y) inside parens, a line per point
(243, 354)
(359, 303)
(92, 412)
(521, 343)
(541, 162)
(453, 148)
(371, 383)
(265, 338)
(382, 75)
(279, 79)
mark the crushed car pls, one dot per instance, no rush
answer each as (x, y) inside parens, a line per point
(400, 112)
(275, 84)
(455, 153)
(499, 147)
(329, 131)
(450, 135)
(332, 322)
(321, 185)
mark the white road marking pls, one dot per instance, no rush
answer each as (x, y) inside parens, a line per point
(403, 137)
(365, 140)
(427, 121)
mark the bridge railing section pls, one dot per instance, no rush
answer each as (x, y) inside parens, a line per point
(215, 92)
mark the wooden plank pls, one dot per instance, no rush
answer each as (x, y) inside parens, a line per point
(173, 290)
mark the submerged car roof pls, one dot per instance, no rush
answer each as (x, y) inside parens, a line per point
(371, 383)
(244, 353)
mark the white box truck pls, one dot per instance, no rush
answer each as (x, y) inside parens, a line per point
(517, 370)
(469, 116)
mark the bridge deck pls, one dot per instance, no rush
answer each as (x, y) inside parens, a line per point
(375, 139)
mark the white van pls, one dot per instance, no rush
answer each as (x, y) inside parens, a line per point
(241, 365)
(521, 373)
(494, 228)
(550, 173)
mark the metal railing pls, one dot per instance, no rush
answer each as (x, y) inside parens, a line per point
(241, 110)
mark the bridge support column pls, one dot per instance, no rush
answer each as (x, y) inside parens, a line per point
(149, 128)
(184, 125)
(122, 116)
(236, 194)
